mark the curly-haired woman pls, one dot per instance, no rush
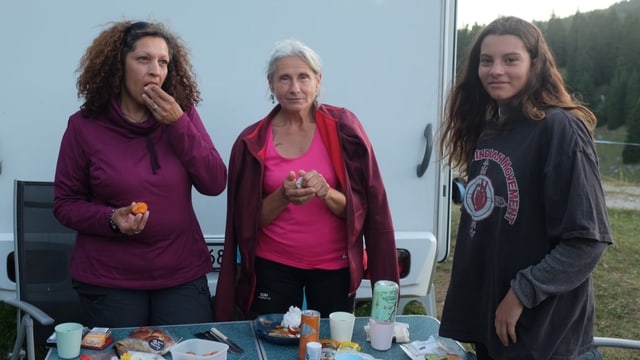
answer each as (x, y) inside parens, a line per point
(137, 137)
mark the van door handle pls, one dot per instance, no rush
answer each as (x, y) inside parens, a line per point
(428, 135)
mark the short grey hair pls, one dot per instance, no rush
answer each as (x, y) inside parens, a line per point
(293, 47)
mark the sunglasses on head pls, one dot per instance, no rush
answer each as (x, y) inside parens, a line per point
(135, 27)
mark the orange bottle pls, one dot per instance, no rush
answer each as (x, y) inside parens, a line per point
(309, 330)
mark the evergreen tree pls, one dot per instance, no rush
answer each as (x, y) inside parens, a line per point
(614, 110)
(580, 61)
(631, 151)
(603, 27)
(631, 95)
(556, 36)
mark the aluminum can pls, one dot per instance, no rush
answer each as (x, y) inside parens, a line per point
(384, 304)
(309, 330)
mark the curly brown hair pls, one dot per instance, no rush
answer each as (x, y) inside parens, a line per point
(102, 66)
(469, 105)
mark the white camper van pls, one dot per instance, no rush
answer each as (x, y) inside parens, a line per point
(390, 62)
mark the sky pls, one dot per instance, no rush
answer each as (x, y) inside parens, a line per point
(484, 11)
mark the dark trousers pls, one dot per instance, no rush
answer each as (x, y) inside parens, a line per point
(279, 286)
(188, 303)
(482, 354)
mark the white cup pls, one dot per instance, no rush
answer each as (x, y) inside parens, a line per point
(341, 325)
(381, 334)
(68, 340)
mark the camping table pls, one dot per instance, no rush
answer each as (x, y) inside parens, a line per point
(243, 333)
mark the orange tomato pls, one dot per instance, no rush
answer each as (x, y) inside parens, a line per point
(139, 208)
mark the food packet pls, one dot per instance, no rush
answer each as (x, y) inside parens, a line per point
(146, 339)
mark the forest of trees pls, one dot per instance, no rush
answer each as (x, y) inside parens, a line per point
(598, 53)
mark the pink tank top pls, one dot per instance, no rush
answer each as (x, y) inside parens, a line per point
(305, 236)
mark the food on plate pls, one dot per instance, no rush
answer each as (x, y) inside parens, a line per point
(281, 331)
(139, 208)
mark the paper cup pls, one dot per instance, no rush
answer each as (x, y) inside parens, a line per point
(68, 340)
(381, 334)
(341, 326)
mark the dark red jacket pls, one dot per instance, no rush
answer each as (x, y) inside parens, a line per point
(367, 212)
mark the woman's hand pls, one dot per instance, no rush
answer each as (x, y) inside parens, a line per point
(128, 223)
(314, 180)
(507, 315)
(294, 193)
(335, 200)
(163, 106)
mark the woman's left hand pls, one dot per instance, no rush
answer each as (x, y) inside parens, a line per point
(163, 106)
(315, 181)
(507, 315)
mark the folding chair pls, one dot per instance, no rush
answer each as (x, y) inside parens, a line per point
(610, 342)
(42, 249)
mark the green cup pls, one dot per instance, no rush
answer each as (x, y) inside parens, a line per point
(68, 340)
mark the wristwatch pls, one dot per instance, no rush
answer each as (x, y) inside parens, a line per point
(113, 225)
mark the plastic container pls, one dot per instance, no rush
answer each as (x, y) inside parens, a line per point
(199, 349)
(314, 350)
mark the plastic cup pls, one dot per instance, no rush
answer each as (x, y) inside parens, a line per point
(341, 326)
(381, 334)
(68, 340)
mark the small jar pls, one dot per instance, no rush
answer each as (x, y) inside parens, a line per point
(314, 350)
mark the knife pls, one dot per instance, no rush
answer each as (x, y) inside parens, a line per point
(232, 345)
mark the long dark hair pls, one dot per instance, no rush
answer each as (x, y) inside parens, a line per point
(469, 105)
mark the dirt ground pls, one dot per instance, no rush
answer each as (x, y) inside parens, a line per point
(622, 196)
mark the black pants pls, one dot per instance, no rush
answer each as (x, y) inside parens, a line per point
(188, 303)
(279, 286)
(483, 354)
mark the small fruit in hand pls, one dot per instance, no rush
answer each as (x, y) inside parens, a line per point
(139, 208)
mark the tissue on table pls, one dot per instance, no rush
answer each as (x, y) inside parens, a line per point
(291, 319)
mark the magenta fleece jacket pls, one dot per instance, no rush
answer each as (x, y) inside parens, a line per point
(108, 162)
(368, 216)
